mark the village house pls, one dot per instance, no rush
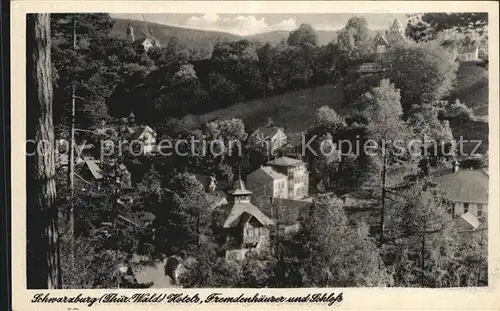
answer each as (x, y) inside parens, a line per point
(143, 137)
(143, 44)
(214, 195)
(268, 140)
(382, 42)
(467, 190)
(468, 53)
(246, 227)
(284, 177)
(298, 176)
(395, 35)
(138, 139)
(266, 182)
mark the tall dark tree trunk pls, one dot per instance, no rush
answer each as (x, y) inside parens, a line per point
(71, 163)
(422, 257)
(382, 208)
(266, 81)
(43, 263)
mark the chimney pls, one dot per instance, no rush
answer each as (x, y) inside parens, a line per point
(456, 166)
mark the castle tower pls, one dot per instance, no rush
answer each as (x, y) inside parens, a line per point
(130, 33)
(131, 118)
(397, 27)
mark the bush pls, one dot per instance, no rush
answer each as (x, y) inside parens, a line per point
(353, 91)
(457, 110)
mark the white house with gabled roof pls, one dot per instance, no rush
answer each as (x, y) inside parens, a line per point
(466, 189)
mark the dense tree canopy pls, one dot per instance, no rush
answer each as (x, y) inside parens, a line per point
(424, 73)
(423, 27)
(305, 34)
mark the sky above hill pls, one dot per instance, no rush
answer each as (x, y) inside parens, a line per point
(249, 24)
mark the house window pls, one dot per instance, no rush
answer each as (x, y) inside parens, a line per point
(466, 208)
(380, 48)
(479, 210)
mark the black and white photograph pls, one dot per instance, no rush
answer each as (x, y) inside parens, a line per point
(257, 150)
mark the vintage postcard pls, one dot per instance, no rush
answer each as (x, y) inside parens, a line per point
(255, 154)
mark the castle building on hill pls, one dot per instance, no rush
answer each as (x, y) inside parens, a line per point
(130, 33)
(395, 35)
(143, 44)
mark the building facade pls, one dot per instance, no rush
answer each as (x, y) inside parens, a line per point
(266, 182)
(468, 53)
(298, 176)
(284, 177)
(246, 227)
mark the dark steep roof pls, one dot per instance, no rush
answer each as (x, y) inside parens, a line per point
(285, 161)
(395, 38)
(285, 211)
(466, 185)
(239, 209)
(381, 39)
(93, 166)
(266, 172)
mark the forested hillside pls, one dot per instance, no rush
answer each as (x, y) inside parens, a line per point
(164, 33)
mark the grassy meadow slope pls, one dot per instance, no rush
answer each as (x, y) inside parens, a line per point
(295, 111)
(472, 87)
(275, 37)
(472, 90)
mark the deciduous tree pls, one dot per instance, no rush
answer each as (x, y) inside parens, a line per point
(424, 73)
(305, 34)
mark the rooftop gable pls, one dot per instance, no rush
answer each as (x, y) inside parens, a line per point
(267, 172)
(381, 40)
(285, 211)
(466, 185)
(241, 208)
(396, 24)
(94, 168)
(285, 161)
